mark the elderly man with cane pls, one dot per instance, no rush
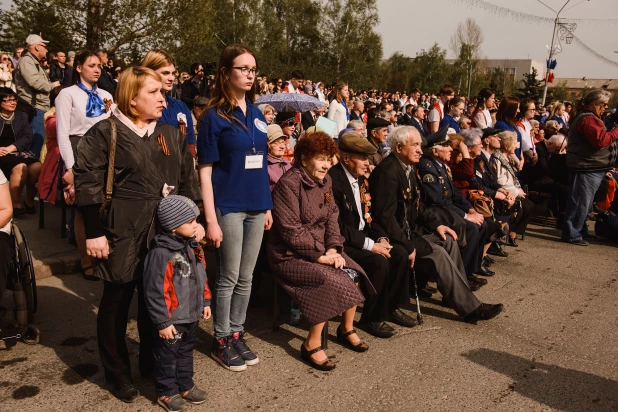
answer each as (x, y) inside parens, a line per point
(397, 208)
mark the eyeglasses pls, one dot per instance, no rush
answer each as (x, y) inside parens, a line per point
(245, 71)
(289, 122)
(9, 101)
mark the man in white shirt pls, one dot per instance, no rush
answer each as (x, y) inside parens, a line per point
(366, 242)
(438, 109)
(296, 82)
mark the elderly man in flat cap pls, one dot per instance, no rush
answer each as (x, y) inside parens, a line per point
(366, 242)
(377, 132)
(439, 189)
(432, 248)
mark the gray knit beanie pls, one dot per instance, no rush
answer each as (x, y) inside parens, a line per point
(174, 211)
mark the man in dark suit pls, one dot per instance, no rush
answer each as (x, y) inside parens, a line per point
(488, 180)
(366, 242)
(397, 208)
(105, 82)
(439, 189)
(308, 119)
(190, 88)
(357, 110)
(406, 119)
(418, 121)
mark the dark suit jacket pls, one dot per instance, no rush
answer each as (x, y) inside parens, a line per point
(439, 188)
(394, 199)
(106, 82)
(188, 92)
(349, 217)
(406, 120)
(307, 121)
(419, 127)
(354, 116)
(486, 176)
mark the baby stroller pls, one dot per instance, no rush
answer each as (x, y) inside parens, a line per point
(22, 282)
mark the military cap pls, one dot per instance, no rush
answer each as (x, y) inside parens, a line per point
(438, 138)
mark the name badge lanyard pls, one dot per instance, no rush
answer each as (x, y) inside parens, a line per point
(254, 159)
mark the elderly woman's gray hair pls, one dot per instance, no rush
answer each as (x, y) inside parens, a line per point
(470, 136)
(534, 123)
(508, 140)
(355, 124)
(400, 135)
(594, 97)
(556, 143)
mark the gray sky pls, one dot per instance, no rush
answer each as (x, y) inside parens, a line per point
(410, 25)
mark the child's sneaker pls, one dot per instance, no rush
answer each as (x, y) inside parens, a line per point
(238, 342)
(173, 403)
(195, 395)
(224, 353)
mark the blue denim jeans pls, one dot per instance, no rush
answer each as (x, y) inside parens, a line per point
(242, 237)
(583, 188)
(38, 132)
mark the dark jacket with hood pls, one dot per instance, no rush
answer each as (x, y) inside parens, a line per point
(175, 284)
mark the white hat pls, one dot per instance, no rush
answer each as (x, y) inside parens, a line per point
(33, 39)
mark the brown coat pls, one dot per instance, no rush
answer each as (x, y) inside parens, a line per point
(305, 227)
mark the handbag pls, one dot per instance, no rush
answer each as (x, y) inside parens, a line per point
(109, 185)
(481, 203)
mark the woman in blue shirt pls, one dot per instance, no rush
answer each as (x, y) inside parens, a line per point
(455, 110)
(176, 113)
(232, 157)
(557, 114)
(505, 120)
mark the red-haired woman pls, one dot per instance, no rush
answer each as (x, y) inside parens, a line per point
(305, 249)
(505, 121)
(232, 156)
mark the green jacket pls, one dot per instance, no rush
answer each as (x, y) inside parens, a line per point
(32, 84)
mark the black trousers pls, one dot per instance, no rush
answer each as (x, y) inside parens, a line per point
(7, 254)
(173, 360)
(472, 254)
(559, 194)
(112, 329)
(389, 278)
(519, 223)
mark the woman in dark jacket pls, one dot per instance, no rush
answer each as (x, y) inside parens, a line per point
(17, 163)
(151, 158)
(305, 249)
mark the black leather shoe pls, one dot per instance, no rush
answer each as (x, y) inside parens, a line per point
(473, 286)
(424, 293)
(496, 250)
(126, 392)
(484, 312)
(430, 289)
(485, 272)
(488, 260)
(512, 242)
(477, 280)
(377, 329)
(401, 319)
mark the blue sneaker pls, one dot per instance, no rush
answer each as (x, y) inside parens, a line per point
(226, 355)
(238, 342)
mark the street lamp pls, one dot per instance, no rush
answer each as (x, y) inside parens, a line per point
(562, 31)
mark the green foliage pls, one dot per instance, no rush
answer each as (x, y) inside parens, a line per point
(431, 70)
(558, 92)
(532, 87)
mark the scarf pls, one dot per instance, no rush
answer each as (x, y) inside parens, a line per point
(95, 106)
(9, 119)
(499, 156)
(347, 112)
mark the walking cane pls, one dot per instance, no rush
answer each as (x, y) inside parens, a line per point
(419, 317)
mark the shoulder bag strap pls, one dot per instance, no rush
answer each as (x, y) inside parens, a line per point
(109, 184)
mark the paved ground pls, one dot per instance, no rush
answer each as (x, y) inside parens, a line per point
(553, 348)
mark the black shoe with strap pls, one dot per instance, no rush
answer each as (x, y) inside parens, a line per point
(512, 242)
(496, 250)
(343, 338)
(305, 354)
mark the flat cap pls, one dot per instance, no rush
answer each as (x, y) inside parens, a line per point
(352, 142)
(490, 131)
(438, 138)
(376, 123)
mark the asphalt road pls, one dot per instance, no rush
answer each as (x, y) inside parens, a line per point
(553, 348)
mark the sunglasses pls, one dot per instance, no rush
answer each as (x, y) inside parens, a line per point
(289, 122)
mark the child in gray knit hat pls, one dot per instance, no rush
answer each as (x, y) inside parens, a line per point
(177, 296)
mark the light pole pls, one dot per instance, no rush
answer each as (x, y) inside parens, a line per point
(562, 31)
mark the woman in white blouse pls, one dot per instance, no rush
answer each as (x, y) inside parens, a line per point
(338, 109)
(78, 108)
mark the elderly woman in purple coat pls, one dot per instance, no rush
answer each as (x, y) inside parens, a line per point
(305, 249)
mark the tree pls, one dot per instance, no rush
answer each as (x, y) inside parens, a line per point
(531, 88)
(397, 71)
(431, 70)
(470, 34)
(558, 92)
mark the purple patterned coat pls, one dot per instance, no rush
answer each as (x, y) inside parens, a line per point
(305, 227)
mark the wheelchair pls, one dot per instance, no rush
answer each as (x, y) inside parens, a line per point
(22, 282)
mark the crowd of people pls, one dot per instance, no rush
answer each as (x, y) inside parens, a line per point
(410, 189)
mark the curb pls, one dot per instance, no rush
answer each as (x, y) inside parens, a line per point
(59, 265)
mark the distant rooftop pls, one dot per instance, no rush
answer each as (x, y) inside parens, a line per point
(583, 82)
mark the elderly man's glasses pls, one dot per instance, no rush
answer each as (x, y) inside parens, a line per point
(245, 71)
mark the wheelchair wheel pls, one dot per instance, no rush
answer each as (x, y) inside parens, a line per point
(32, 335)
(26, 270)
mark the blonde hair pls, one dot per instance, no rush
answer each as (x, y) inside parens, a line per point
(155, 59)
(267, 108)
(130, 83)
(339, 86)
(508, 139)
